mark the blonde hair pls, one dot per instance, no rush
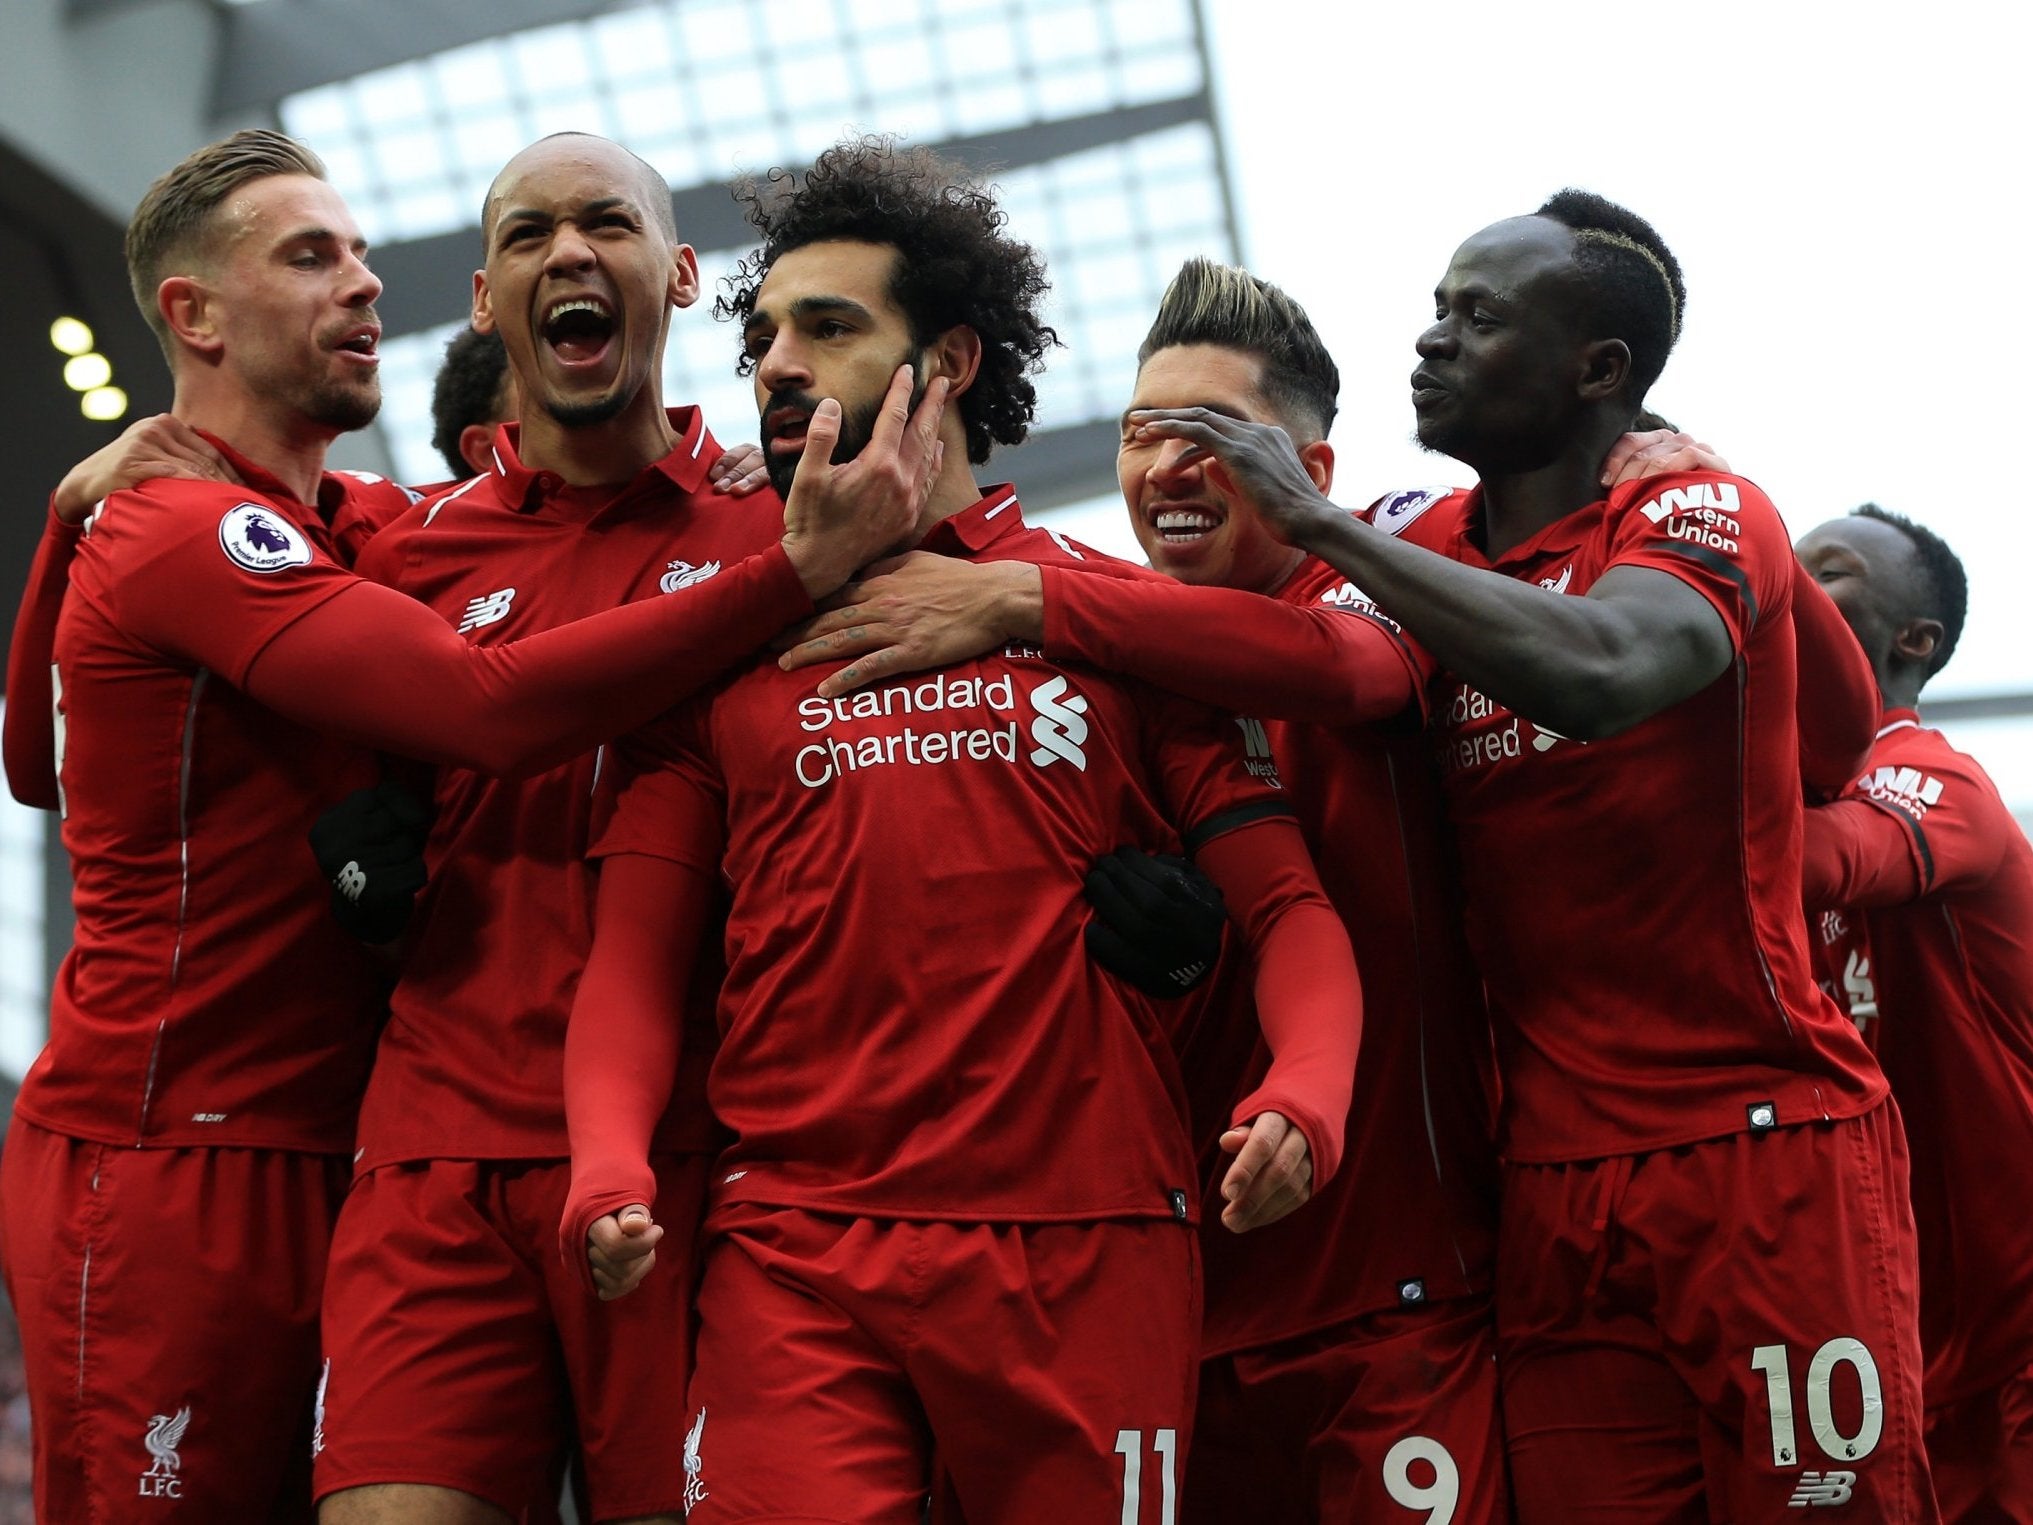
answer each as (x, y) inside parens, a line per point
(1224, 305)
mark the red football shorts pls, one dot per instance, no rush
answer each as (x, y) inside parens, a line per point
(1981, 1449)
(1051, 1365)
(168, 1301)
(462, 1352)
(1726, 1331)
(1389, 1419)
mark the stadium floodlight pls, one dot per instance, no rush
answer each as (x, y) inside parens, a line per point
(103, 404)
(84, 372)
(71, 336)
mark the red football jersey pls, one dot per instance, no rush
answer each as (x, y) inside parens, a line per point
(470, 1065)
(967, 806)
(1844, 946)
(209, 997)
(1412, 1216)
(1633, 902)
(353, 504)
(1922, 852)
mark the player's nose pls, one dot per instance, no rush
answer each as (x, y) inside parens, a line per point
(783, 366)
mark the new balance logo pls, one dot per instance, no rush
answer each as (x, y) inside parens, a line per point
(1822, 1490)
(487, 609)
(1719, 496)
(683, 574)
(1256, 749)
(351, 881)
(1908, 788)
(1060, 726)
(165, 1433)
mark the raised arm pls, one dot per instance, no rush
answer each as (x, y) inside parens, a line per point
(1233, 650)
(1938, 826)
(1859, 855)
(159, 446)
(353, 659)
(375, 667)
(1640, 640)
(1219, 646)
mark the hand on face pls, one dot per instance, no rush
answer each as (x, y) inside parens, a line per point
(1253, 461)
(838, 518)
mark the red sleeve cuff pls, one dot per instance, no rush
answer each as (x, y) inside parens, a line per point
(1323, 1139)
(588, 1204)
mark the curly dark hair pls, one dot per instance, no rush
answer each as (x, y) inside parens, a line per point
(467, 391)
(956, 264)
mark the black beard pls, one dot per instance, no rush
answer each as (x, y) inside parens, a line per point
(857, 428)
(584, 415)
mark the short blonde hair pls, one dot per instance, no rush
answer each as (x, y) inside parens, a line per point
(1226, 306)
(173, 228)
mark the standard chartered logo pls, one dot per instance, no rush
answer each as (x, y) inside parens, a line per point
(939, 720)
(1061, 724)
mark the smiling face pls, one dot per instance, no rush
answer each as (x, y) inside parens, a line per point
(826, 325)
(290, 301)
(1499, 368)
(1188, 526)
(581, 276)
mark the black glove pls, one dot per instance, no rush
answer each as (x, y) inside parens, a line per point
(370, 846)
(1157, 920)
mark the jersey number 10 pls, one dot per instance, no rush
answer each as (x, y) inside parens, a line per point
(1771, 1360)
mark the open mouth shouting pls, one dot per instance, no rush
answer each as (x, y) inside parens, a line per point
(579, 332)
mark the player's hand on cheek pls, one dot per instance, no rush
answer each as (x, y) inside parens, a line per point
(1655, 452)
(159, 446)
(839, 518)
(920, 611)
(739, 472)
(621, 1248)
(1256, 461)
(1271, 1175)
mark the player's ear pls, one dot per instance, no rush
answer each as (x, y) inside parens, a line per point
(1917, 640)
(1318, 459)
(684, 276)
(187, 307)
(1605, 368)
(476, 447)
(483, 304)
(956, 355)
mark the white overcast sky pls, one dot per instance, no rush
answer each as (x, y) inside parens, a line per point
(1846, 187)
